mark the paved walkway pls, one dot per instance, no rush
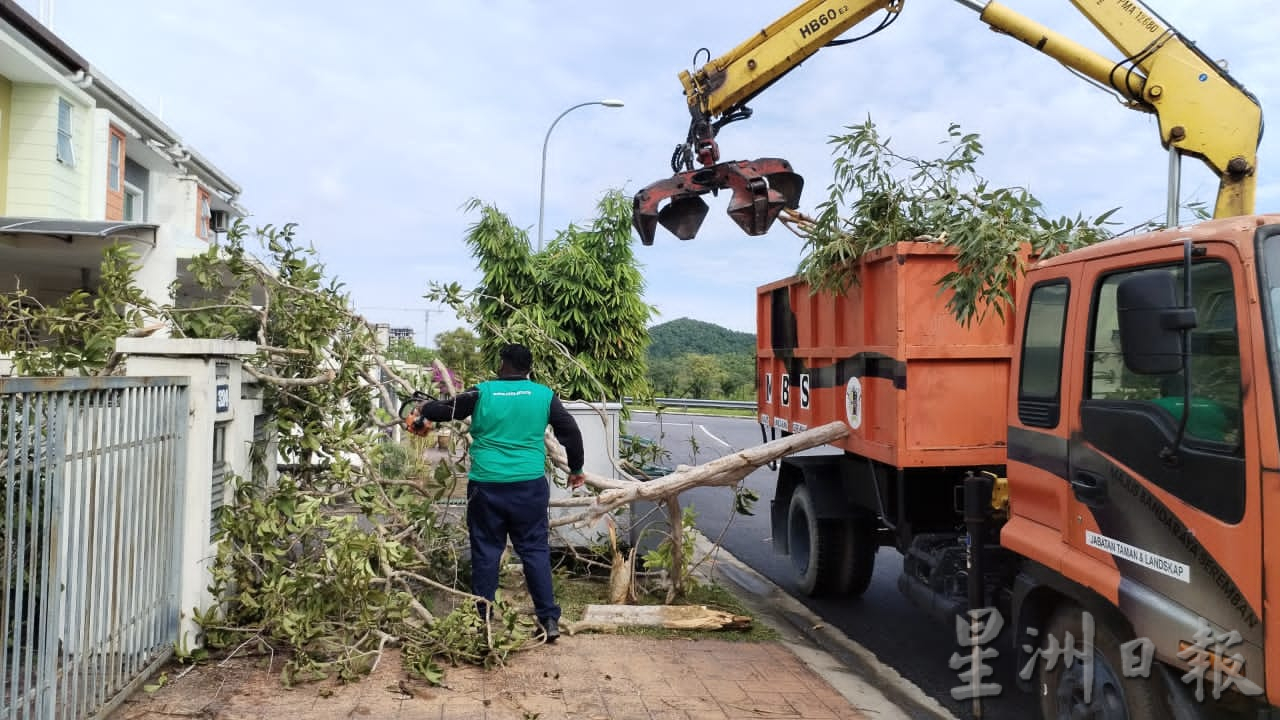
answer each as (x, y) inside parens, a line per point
(587, 676)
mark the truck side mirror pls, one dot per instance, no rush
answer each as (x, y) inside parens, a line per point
(1152, 323)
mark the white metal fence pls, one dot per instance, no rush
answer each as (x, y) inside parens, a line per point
(90, 474)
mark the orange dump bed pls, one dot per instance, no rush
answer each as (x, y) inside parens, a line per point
(889, 359)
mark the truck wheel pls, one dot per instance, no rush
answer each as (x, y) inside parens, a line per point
(1113, 696)
(858, 564)
(817, 548)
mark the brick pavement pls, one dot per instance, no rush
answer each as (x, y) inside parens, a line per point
(588, 677)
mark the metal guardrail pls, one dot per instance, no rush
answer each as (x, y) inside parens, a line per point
(696, 403)
(87, 550)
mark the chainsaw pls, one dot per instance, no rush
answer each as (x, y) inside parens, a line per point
(413, 422)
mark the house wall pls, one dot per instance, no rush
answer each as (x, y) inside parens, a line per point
(96, 186)
(39, 185)
(180, 198)
(171, 202)
(6, 109)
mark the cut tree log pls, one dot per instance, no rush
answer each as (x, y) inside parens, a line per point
(622, 588)
(607, 618)
(726, 470)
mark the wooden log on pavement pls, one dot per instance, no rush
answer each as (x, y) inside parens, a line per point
(606, 618)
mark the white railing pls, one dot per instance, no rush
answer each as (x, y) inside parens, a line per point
(90, 481)
(695, 403)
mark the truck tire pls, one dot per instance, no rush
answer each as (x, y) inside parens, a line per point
(858, 564)
(817, 547)
(1114, 696)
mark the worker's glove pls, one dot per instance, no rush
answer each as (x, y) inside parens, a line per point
(576, 480)
(416, 424)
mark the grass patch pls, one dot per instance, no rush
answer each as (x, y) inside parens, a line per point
(575, 593)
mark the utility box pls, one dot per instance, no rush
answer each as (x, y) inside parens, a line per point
(599, 425)
(889, 359)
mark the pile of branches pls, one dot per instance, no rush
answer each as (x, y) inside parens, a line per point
(879, 197)
(356, 546)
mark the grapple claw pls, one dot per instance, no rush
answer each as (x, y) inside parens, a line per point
(683, 216)
(760, 190)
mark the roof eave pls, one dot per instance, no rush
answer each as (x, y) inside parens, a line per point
(31, 28)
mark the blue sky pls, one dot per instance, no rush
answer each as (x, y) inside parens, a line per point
(370, 125)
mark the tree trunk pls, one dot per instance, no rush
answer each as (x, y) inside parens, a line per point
(676, 573)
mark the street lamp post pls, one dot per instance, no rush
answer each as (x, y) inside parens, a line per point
(542, 191)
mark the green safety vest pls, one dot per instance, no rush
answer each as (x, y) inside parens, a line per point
(507, 429)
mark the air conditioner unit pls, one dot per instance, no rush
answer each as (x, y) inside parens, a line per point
(218, 221)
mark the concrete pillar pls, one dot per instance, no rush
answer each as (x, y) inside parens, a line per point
(216, 409)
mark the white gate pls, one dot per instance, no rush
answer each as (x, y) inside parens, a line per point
(90, 482)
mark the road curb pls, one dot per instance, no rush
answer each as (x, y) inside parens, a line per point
(853, 670)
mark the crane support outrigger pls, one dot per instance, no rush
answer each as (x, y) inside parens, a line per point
(1203, 112)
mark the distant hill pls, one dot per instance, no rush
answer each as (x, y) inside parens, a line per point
(677, 337)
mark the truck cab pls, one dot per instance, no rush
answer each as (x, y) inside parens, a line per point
(1119, 424)
(1129, 504)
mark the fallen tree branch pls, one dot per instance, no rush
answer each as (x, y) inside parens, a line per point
(284, 351)
(388, 402)
(558, 457)
(323, 378)
(727, 470)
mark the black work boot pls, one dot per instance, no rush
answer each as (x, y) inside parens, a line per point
(550, 629)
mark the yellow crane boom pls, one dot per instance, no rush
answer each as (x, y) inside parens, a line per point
(1203, 112)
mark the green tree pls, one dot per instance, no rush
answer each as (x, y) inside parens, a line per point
(662, 376)
(404, 350)
(459, 350)
(739, 382)
(577, 304)
(699, 376)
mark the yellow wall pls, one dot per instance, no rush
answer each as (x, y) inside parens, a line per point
(38, 185)
(6, 109)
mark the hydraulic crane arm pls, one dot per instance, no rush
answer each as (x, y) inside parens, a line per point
(724, 85)
(1202, 111)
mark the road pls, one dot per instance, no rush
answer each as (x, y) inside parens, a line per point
(882, 620)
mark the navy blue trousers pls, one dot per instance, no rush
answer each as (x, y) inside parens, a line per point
(498, 510)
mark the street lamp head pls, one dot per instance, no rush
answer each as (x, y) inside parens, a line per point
(542, 189)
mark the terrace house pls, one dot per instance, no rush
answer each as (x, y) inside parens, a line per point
(83, 165)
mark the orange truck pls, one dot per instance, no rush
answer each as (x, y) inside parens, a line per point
(1098, 469)
(1048, 455)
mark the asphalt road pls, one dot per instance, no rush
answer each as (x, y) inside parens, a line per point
(882, 620)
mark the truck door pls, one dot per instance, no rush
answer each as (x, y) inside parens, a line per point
(1167, 533)
(1039, 424)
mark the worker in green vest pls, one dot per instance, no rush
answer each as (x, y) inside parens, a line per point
(507, 489)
